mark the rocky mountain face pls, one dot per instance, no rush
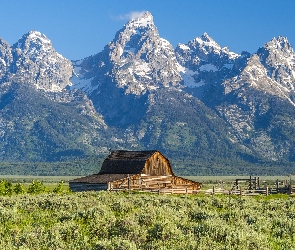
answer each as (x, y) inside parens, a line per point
(138, 60)
(40, 118)
(33, 60)
(206, 65)
(205, 62)
(260, 98)
(118, 79)
(211, 111)
(278, 58)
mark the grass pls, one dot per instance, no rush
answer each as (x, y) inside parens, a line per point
(207, 181)
(117, 220)
(30, 178)
(217, 179)
(227, 182)
(122, 220)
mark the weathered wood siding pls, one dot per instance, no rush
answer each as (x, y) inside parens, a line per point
(157, 164)
(161, 184)
(79, 187)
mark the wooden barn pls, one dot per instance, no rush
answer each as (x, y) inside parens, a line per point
(136, 170)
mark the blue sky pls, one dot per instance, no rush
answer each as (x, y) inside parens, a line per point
(80, 28)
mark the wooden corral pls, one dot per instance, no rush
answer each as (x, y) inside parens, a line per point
(163, 184)
(136, 170)
(253, 186)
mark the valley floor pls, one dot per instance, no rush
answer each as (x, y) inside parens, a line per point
(110, 220)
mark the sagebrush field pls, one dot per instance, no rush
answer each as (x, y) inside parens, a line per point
(107, 220)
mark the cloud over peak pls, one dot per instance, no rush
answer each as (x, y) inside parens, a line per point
(131, 15)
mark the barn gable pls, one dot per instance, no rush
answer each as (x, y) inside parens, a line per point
(157, 164)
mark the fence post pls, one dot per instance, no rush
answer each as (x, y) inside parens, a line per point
(128, 181)
(240, 191)
(290, 184)
(213, 190)
(266, 191)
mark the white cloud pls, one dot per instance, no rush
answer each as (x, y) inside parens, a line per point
(131, 15)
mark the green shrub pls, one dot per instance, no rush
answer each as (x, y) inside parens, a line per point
(107, 220)
(5, 187)
(36, 187)
(19, 189)
(58, 188)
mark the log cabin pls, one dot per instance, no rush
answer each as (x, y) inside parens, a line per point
(136, 170)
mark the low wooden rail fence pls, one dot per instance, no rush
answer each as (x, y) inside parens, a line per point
(161, 190)
(245, 192)
(245, 187)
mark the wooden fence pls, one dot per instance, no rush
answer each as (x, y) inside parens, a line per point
(254, 187)
(177, 185)
(155, 184)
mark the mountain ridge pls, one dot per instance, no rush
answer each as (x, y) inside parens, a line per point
(204, 106)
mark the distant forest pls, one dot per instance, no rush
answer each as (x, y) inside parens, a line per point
(92, 164)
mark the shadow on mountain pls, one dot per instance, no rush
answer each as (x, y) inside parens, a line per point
(118, 108)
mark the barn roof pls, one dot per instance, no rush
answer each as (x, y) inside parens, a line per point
(125, 162)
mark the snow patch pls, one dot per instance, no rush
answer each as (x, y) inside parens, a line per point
(142, 20)
(153, 87)
(209, 42)
(78, 82)
(3, 62)
(132, 50)
(188, 79)
(183, 46)
(208, 67)
(36, 35)
(165, 43)
(233, 55)
(85, 85)
(180, 68)
(53, 88)
(142, 68)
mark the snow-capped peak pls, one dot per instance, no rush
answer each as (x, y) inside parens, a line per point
(140, 26)
(206, 40)
(33, 38)
(143, 20)
(39, 37)
(278, 58)
(206, 44)
(280, 43)
(134, 36)
(37, 63)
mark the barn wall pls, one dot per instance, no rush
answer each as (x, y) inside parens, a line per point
(152, 183)
(79, 187)
(157, 164)
(132, 182)
(185, 183)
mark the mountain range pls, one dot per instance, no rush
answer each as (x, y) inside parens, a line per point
(209, 110)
